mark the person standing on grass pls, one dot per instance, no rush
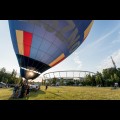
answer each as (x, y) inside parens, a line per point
(46, 86)
(27, 92)
(23, 90)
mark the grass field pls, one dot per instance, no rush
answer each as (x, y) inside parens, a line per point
(67, 93)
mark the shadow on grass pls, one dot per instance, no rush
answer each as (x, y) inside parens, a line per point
(56, 94)
(32, 95)
(10, 89)
(113, 88)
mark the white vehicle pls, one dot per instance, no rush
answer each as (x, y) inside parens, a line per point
(2, 85)
(34, 87)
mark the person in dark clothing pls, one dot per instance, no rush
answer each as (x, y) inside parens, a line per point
(46, 87)
(22, 91)
(27, 92)
(15, 91)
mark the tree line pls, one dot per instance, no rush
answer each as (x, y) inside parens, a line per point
(9, 78)
(106, 78)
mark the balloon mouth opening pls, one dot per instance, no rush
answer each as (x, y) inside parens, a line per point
(30, 70)
(30, 73)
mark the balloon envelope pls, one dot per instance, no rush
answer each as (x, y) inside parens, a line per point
(42, 44)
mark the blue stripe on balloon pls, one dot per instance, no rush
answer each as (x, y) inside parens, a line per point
(24, 26)
(13, 36)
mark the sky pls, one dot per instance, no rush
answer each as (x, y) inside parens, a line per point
(93, 55)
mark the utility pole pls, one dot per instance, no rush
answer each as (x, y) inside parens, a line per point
(113, 62)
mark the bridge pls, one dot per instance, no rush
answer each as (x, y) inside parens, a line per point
(67, 74)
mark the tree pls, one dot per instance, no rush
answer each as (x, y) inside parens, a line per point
(88, 80)
(116, 78)
(105, 74)
(42, 82)
(54, 80)
(3, 70)
(70, 82)
(61, 81)
(98, 78)
(2, 73)
(10, 78)
(5, 80)
(93, 82)
(14, 73)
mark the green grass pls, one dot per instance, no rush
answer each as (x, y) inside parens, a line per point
(67, 93)
(5, 93)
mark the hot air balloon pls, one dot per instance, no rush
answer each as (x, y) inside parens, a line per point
(42, 44)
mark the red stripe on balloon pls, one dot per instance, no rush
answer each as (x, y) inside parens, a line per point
(27, 40)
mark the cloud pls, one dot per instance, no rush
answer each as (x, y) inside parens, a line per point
(77, 60)
(115, 41)
(106, 63)
(87, 47)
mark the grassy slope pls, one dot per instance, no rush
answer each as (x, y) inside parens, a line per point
(68, 93)
(5, 93)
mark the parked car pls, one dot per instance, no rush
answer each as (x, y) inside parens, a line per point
(34, 87)
(80, 84)
(2, 85)
(11, 85)
(53, 85)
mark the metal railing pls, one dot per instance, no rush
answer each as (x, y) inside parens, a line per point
(51, 75)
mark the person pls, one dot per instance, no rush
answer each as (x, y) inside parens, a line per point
(27, 92)
(22, 91)
(46, 86)
(19, 91)
(116, 85)
(15, 91)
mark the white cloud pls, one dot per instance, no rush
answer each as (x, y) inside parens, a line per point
(77, 60)
(106, 63)
(115, 41)
(96, 42)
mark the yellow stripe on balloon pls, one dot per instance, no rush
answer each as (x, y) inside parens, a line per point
(86, 32)
(57, 60)
(19, 36)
